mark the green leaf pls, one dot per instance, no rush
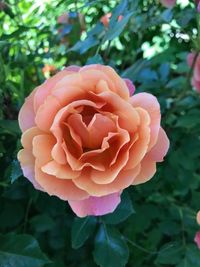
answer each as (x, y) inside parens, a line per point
(20, 251)
(83, 46)
(42, 223)
(191, 258)
(170, 253)
(81, 230)
(9, 126)
(123, 211)
(119, 26)
(97, 59)
(111, 249)
(16, 171)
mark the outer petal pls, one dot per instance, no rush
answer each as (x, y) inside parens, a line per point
(130, 86)
(148, 169)
(26, 114)
(27, 162)
(151, 105)
(95, 206)
(197, 239)
(62, 188)
(158, 152)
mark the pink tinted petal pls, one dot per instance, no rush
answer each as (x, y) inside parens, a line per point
(130, 86)
(198, 7)
(151, 105)
(190, 58)
(196, 85)
(26, 114)
(45, 89)
(62, 188)
(168, 3)
(95, 206)
(158, 152)
(73, 68)
(27, 162)
(197, 239)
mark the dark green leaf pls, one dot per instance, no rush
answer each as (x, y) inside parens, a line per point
(110, 248)
(20, 251)
(123, 211)
(16, 171)
(81, 230)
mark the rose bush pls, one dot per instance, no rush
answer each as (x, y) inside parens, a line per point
(86, 139)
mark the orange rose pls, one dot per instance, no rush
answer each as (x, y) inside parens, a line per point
(85, 139)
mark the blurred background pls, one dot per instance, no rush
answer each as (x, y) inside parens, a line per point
(144, 41)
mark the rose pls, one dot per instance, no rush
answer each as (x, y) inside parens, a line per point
(196, 72)
(168, 3)
(198, 5)
(106, 19)
(197, 239)
(198, 217)
(85, 139)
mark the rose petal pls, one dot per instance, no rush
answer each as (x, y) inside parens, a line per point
(148, 169)
(95, 206)
(158, 152)
(151, 105)
(197, 239)
(26, 116)
(27, 162)
(130, 86)
(62, 188)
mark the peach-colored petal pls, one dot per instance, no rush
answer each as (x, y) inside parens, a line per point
(45, 89)
(140, 146)
(123, 180)
(28, 135)
(148, 169)
(93, 134)
(60, 171)
(46, 113)
(26, 115)
(151, 105)
(27, 162)
(62, 188)
(42, 146)
(95, 206)
(158, 152)
(92, 74)
(122, 109)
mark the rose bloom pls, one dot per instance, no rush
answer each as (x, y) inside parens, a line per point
(196, 72)
(197, 239)
(168, 3)
(85, 139)
(106, 19)
(198, 217)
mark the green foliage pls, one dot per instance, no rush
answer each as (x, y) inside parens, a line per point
(154, 225)
(110, 248)
(20, 250)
